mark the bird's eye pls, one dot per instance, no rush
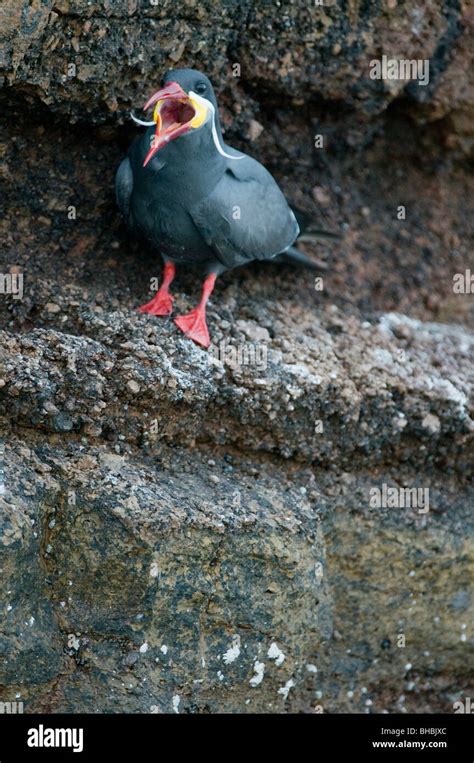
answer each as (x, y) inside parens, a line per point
(201, 87)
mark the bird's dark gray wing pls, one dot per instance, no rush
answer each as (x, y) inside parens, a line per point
(124, 187)
(245, 217)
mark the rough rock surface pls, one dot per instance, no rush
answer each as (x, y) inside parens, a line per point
(147, 562)
(182, 533)
(96, 60)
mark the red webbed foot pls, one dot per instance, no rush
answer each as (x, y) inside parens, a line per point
(162, 302)
(193, 324)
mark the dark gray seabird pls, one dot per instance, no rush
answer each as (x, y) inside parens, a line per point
(199, 201)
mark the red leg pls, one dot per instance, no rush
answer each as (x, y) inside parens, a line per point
(193, 324)
(162, 302)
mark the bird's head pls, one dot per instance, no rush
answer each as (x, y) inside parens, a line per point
(186, 102)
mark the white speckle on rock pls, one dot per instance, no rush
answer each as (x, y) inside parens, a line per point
(399, 421)
(154, 570)
(431, 423)
(275, 653)
(74, 642)
(220, 675)
(284, 691)
(254, 130)
(133, 386)
(259, 670)
(311, 668)
(51, 307)
(176, 700)
(452, 392)
(233, 652)
(143, 648)
(164, 649)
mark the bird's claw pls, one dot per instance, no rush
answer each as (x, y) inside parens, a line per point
(193, 325)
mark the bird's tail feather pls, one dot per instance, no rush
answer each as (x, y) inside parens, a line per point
(311, 234)
(293, 256)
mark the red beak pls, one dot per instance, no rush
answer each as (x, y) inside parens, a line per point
(173, 112)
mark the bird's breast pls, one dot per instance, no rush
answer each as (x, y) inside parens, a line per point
(167, 224)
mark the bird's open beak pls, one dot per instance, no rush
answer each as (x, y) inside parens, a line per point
(175, 114)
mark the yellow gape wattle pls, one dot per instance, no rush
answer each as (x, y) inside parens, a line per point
(201, 113)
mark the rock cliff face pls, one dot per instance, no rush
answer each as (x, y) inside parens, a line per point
(93, 60)
(183, 531)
